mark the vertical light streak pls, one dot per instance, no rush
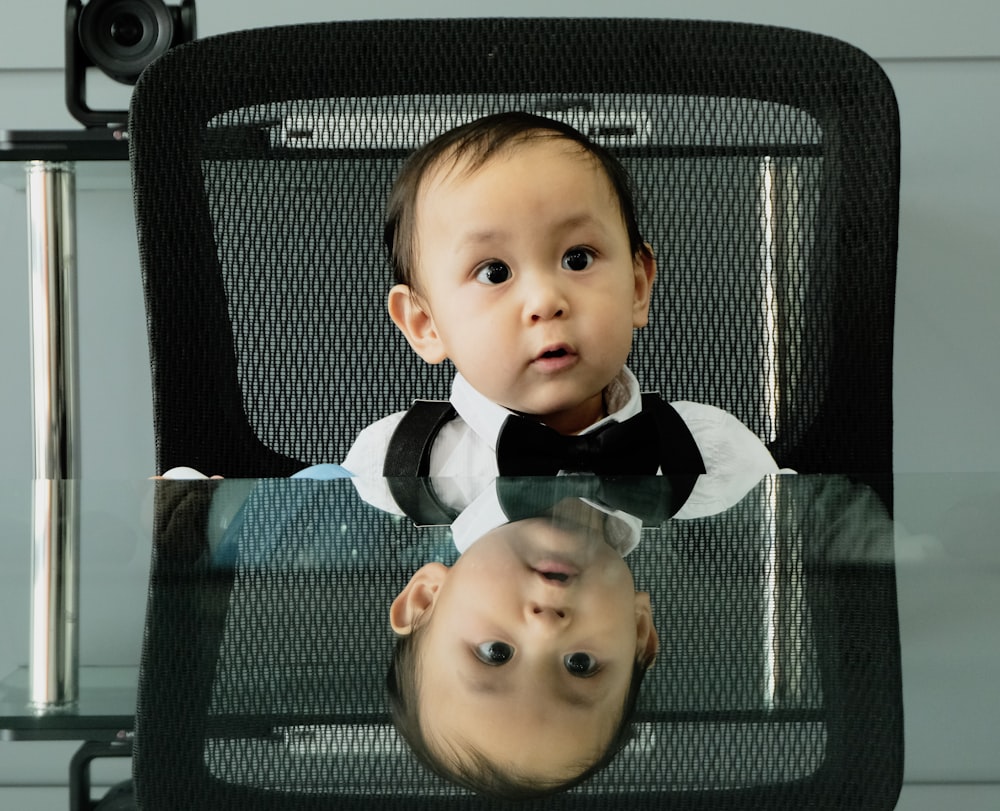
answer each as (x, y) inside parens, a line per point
(769, 297)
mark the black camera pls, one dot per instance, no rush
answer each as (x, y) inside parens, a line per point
(120, 37)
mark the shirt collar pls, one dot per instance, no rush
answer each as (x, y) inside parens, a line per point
(485, 514)
(486, 418)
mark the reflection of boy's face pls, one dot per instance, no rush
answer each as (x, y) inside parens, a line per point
(529, 646)
(526, 280)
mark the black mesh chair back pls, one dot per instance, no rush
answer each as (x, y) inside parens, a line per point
(766, 162)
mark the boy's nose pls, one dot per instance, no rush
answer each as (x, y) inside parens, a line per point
(545, 299)
(545, 316)
(546, 312)
(543, 613)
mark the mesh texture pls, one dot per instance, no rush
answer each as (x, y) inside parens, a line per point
(766, 163)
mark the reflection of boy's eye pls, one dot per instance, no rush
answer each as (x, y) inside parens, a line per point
(495, 272)
(581, 664)
(577, 259)
(494, 653)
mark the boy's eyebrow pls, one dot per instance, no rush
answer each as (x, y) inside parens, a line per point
(495, 235)
(486, 235)
(498, 687)
(577, 220)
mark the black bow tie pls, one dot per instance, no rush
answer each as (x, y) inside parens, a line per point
(527, 448)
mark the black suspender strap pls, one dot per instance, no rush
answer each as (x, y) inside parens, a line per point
(408, 462)
(409, 451)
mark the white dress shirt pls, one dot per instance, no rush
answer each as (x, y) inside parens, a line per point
(463, 458)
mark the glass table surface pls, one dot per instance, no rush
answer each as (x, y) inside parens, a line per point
(104, 709)
(798, 631)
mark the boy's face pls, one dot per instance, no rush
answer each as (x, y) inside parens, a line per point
(526, 280)
(529, 670)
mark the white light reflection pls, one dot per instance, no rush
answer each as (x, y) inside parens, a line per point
(769, 298)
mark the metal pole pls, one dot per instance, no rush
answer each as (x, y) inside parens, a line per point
(54, 664)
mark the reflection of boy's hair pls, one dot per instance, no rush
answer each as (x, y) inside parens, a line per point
(470, 768)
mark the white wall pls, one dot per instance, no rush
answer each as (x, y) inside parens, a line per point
(943, 59)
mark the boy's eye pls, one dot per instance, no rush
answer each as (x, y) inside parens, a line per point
(581, 664)
(495, 272)
(578, 259)
(494, 653)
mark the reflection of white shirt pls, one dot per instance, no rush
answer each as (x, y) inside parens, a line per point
(622, 531)
(464, 453)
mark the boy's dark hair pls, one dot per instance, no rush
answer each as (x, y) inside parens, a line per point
(477, 142)
(476, 772)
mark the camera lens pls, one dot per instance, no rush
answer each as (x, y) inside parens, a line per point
(127, 30)
(121, 37)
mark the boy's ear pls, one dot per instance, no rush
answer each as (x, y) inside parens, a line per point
(647, 643)
(410, 313)
(644, 268)
(419, 595)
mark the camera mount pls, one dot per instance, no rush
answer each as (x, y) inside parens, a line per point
(120, 37)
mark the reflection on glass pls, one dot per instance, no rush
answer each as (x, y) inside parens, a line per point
(522, 638)
(518, 668)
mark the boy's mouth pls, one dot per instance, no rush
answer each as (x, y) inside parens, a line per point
(556, 356)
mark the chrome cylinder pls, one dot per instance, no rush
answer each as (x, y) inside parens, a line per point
(54, 665)
(55, 600)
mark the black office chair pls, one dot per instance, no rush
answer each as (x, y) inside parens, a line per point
(767, 167)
